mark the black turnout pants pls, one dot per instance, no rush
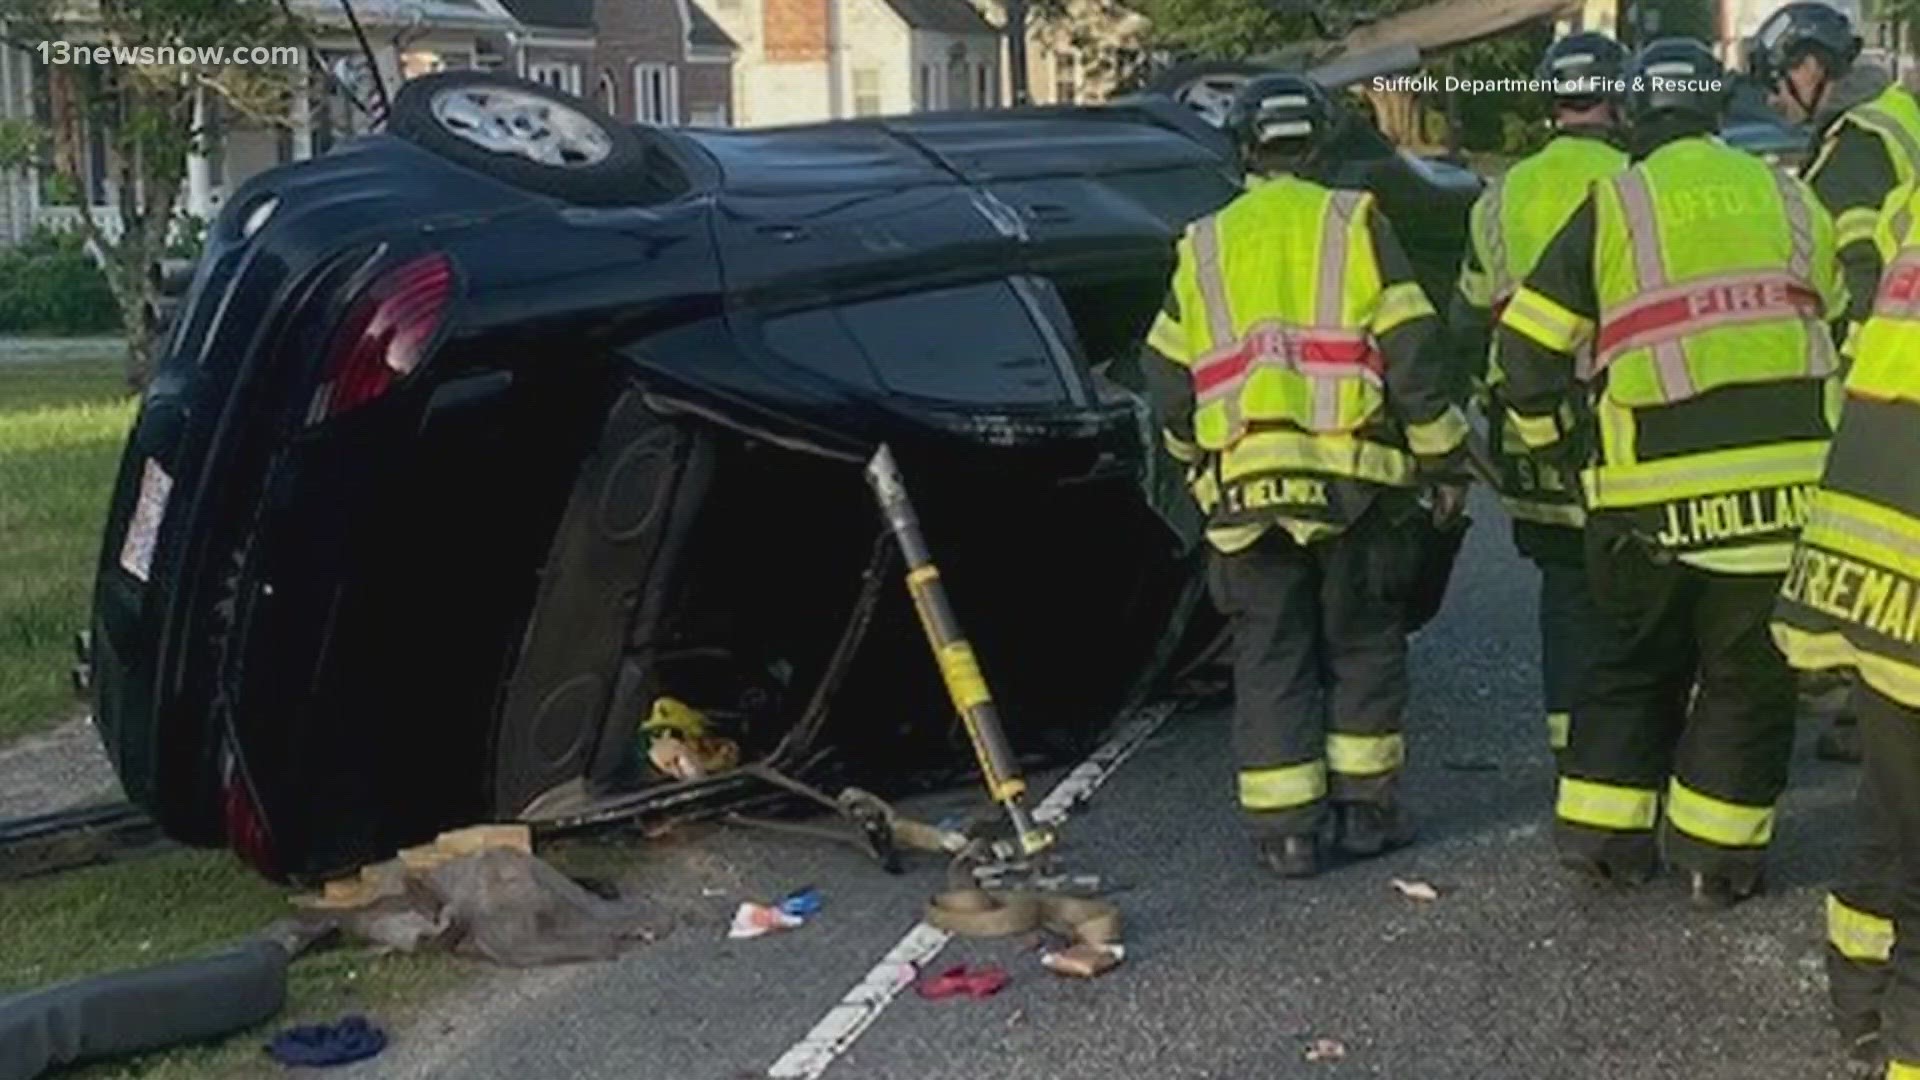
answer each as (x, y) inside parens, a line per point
(1319, 669)
(1718, 760)
(1873, 919)
(1566, 635)
(1566, 618)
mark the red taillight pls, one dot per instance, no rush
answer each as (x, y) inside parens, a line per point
(384, 336)
(247, 831)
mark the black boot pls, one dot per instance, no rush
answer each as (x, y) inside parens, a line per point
(1617, 873)
(1867, 1056)
(1369, 829)
(1291, 856)
(1718, 892)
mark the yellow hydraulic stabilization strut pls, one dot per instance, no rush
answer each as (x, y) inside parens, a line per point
(958, 667)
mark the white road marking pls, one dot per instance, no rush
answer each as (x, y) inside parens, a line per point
(837, 1031)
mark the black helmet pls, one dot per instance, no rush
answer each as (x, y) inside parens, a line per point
(1582, 67)
(1796, 30)
(1676, 76)
(1285, 113)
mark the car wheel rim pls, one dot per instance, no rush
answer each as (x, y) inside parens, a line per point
(528, 125)
(1211, 96)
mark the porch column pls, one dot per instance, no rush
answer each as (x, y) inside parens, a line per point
(303, 115)
(199, 171)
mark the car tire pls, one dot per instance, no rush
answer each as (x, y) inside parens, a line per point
(1206, 85)
(531, 136)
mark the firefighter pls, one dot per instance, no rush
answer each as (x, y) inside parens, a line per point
(1867, 143)
(1703, 280)
(1510, 226)
(1851, 603)
(1297, 367)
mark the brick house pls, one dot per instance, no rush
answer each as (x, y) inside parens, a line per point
(552, 43)
(649, 61)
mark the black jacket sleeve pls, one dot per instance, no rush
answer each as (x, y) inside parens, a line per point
(1853, 176)
(1170, 389)
(1470, 331)
(1412, 341)
(1548, 320)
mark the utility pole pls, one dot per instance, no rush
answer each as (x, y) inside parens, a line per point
(1017, 51)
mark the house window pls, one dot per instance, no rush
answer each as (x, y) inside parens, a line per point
(983, 95)
(609, 93)
(1066, 78)
(712, 116)
(866, 92)
(656, 93)
(562, 77)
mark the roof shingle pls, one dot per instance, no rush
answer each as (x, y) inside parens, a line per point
(946, 16)
(705, 32)
(553, 14)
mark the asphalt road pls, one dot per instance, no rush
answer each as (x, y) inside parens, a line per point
(1514, 972)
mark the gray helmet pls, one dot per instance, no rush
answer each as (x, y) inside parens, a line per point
(1795, 31)
(1582, 67)
(1288, 113)
(1676, 77)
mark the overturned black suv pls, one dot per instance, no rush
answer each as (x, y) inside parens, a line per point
(478, 438)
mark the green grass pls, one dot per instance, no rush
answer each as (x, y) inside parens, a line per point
(184, 904)
(62, 426)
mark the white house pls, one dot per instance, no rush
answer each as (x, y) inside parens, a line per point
(409, 37)
(810, 60)
(651, 61)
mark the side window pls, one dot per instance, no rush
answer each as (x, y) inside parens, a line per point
(1003, 359)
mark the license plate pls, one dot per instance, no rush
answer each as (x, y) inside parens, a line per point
(136, 555)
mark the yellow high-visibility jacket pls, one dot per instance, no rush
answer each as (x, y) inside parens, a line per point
(1510, 227)
(1703, 281)
(1304, 361)
(1851, 597)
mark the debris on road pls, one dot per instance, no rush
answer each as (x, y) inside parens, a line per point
(1416, 890)
(1093, 925)
(482, 892)
(753, 920)
(802, 903)
(959, 981)
(1085, 960)
(320, 1045)
(681, 744)
(1326, 1050)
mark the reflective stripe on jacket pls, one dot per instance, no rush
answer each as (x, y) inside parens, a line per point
(1713, 370)
(1511, 225)
(1278, 307)
(1287, 303)
(1893, 117)
(1851, 597)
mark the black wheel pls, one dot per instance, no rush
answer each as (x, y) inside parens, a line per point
(1208, 87)
(531, 136)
